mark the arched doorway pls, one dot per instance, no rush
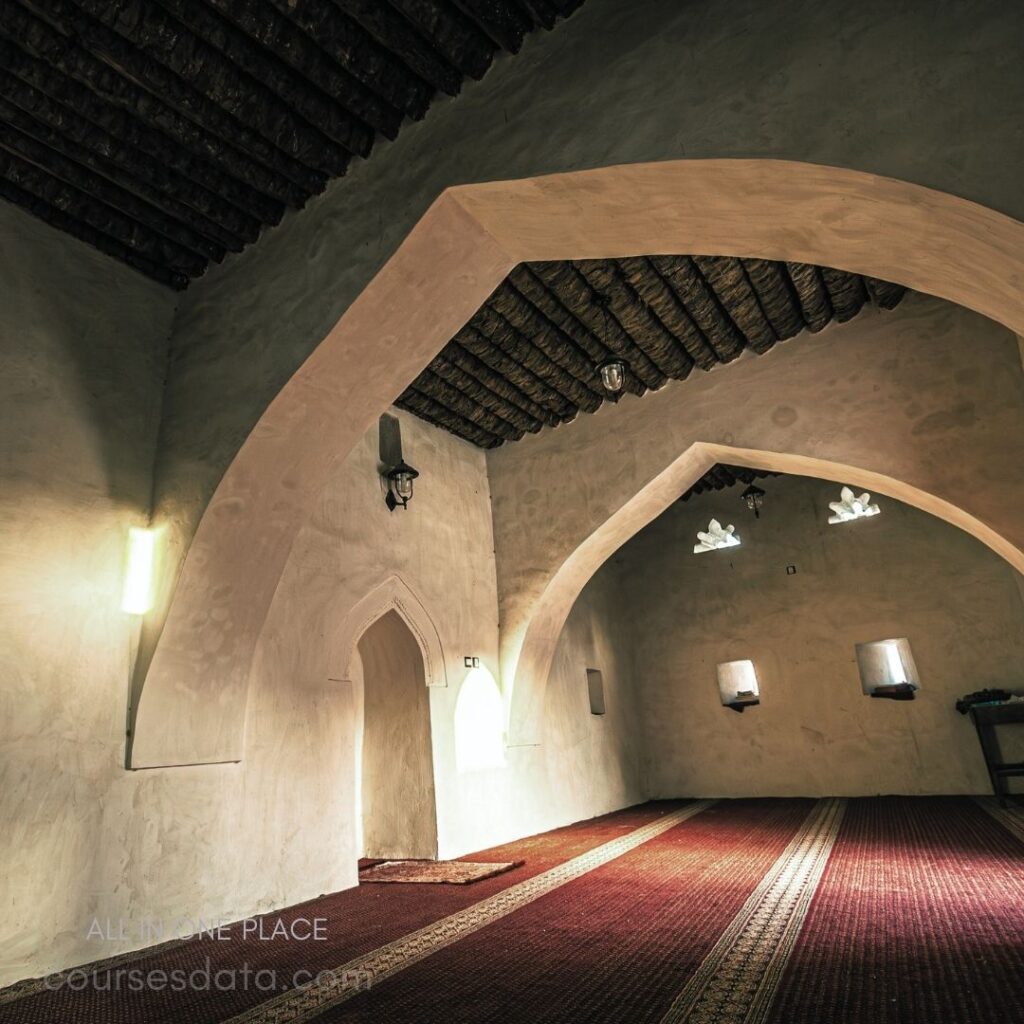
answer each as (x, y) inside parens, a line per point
(394, 761)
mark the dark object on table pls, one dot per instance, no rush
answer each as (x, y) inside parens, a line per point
(965, 703)
(986, 718)
(741, 703)
(897, 691)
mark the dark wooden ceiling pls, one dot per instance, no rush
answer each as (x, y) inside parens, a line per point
(169, 132)
(720, 476)
(528, 357)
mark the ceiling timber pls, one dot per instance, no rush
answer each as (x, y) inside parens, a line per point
(167, 133)
(528, 358)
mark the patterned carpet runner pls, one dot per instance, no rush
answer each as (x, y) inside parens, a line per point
(738, 979)
(349, 979)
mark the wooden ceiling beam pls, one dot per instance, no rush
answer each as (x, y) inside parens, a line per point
(815, 305)
(493, 326)
(70, 225)
(534, 387)
(269, 47)
(496, 382)
(481, 394)
(207, 83)
(845, 291)
(454, 36)
(775, 294)
(117, 198)
(426, 408)
(502, 21)
(439, 390)
(128, 140)
(369, 66)
(884, 294)
(533, 290)
(98, 215)
(546, 335)
(272, 173)
(394, 33)
(683, 277)
(575, 292)
(737, 299)
(35, 114)
(652, 289)
(648, 333)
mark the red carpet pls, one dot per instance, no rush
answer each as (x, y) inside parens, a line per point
(919, 919)
(615, 945)
(913, 916)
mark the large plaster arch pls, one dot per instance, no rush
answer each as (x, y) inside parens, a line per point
(191, 707)
(391, 594)
(532, 663)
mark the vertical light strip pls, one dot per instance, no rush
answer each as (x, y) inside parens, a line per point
(137, 596)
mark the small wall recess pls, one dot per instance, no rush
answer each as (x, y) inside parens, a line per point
(470, 661)
(887, 668)
(595, 690)
(737, 685)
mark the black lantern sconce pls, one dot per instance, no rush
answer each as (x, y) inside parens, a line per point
(613, 375)
(753, 496)
(399, 479)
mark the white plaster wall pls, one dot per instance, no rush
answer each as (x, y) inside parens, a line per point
(83, 345)
(900, 574)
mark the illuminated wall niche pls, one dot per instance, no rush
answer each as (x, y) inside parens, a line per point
(887, 668)
(737, 685)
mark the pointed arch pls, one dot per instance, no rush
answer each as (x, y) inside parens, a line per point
(530, 665)
(453, 259)
(391, 594)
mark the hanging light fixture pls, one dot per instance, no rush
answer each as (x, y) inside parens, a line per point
(613, 375)
(399, 478)
(753, 496)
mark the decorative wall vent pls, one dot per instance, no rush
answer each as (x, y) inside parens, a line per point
(852, 506)
(716, 537)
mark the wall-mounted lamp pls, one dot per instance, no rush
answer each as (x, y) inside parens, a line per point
(716, 537)
(753, 497)
(399, 479)
(613, 375)
(137, 595)
(851, 506)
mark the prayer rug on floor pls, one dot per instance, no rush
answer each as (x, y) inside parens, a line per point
(452, 872)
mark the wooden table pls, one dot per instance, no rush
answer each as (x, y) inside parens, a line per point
(986, 718)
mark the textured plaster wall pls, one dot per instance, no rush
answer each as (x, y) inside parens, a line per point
(220, 842)
(928, 394)
(900, 574)
(917, 90)
(83, 345)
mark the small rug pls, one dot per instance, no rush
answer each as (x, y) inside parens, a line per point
(457, 872)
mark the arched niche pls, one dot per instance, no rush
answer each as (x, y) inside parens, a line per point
(192, 704)
(392, 594)
(529, 665)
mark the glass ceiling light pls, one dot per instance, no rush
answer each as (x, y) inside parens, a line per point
(852, 506)
(716, 537)
(613, 375)
(399, 478)
(753, 496)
